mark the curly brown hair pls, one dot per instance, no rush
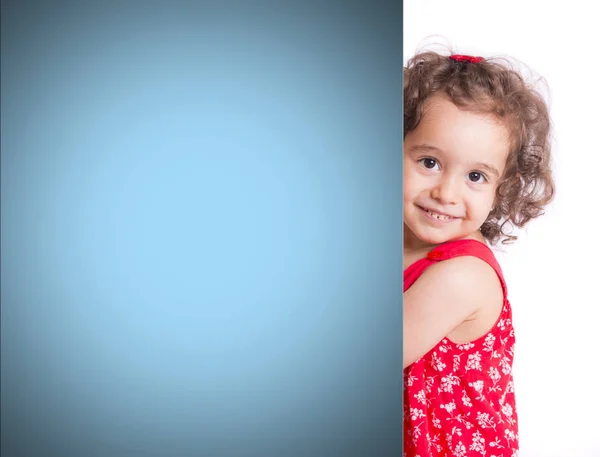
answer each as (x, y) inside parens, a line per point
(492, 86)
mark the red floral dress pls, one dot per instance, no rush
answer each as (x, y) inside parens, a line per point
(459, 399)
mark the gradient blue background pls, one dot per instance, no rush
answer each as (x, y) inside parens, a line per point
(201, 229)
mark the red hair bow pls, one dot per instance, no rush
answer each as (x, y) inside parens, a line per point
(461, 58)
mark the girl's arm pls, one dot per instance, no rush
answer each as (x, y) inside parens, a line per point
(446, 294)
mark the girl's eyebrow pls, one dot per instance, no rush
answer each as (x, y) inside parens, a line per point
(424, 147)
(490, 169)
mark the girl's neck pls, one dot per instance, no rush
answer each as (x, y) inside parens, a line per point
(412, 244)
(415, 246)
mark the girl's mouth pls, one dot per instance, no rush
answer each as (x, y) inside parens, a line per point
(437, 216)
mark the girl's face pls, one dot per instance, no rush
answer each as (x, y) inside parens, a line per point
(453, 161)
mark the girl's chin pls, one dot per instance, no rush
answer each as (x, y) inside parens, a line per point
(425, 237)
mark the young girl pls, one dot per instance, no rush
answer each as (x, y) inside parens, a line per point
(476, 161)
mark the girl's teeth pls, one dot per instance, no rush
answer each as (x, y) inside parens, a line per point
(438, 216)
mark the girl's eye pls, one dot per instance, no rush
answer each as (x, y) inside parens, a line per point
(428, 163)
(477, 177)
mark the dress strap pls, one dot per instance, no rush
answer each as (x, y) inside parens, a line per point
(450, 250)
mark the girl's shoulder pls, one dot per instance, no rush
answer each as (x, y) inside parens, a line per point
(443, 253)
(481, 282)
(469, 248)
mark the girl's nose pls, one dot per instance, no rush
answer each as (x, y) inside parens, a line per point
(446, 191)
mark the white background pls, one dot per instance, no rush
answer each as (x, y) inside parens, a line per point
(552, 271)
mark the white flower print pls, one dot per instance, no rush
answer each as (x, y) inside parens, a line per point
(466, 346)
(449, 407)
(510, 387)
(504, 323)
(448, 382)
(416, 433)
(496, 444)
(477, 385)
(507, 409)
(505, 365)
(474, 361)
(494, 375)
(429, 384)
(437, 446)
(456, 363)
(485, 421)
(466, 400)
(449, 440)
(460, 450)
(510, 435)
(478, 443)
(421, 397)
(416, 413)
(462, 419)
(410, 380)
(437, 363)
(488, 344)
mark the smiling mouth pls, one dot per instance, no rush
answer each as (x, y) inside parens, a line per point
(438, 216)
